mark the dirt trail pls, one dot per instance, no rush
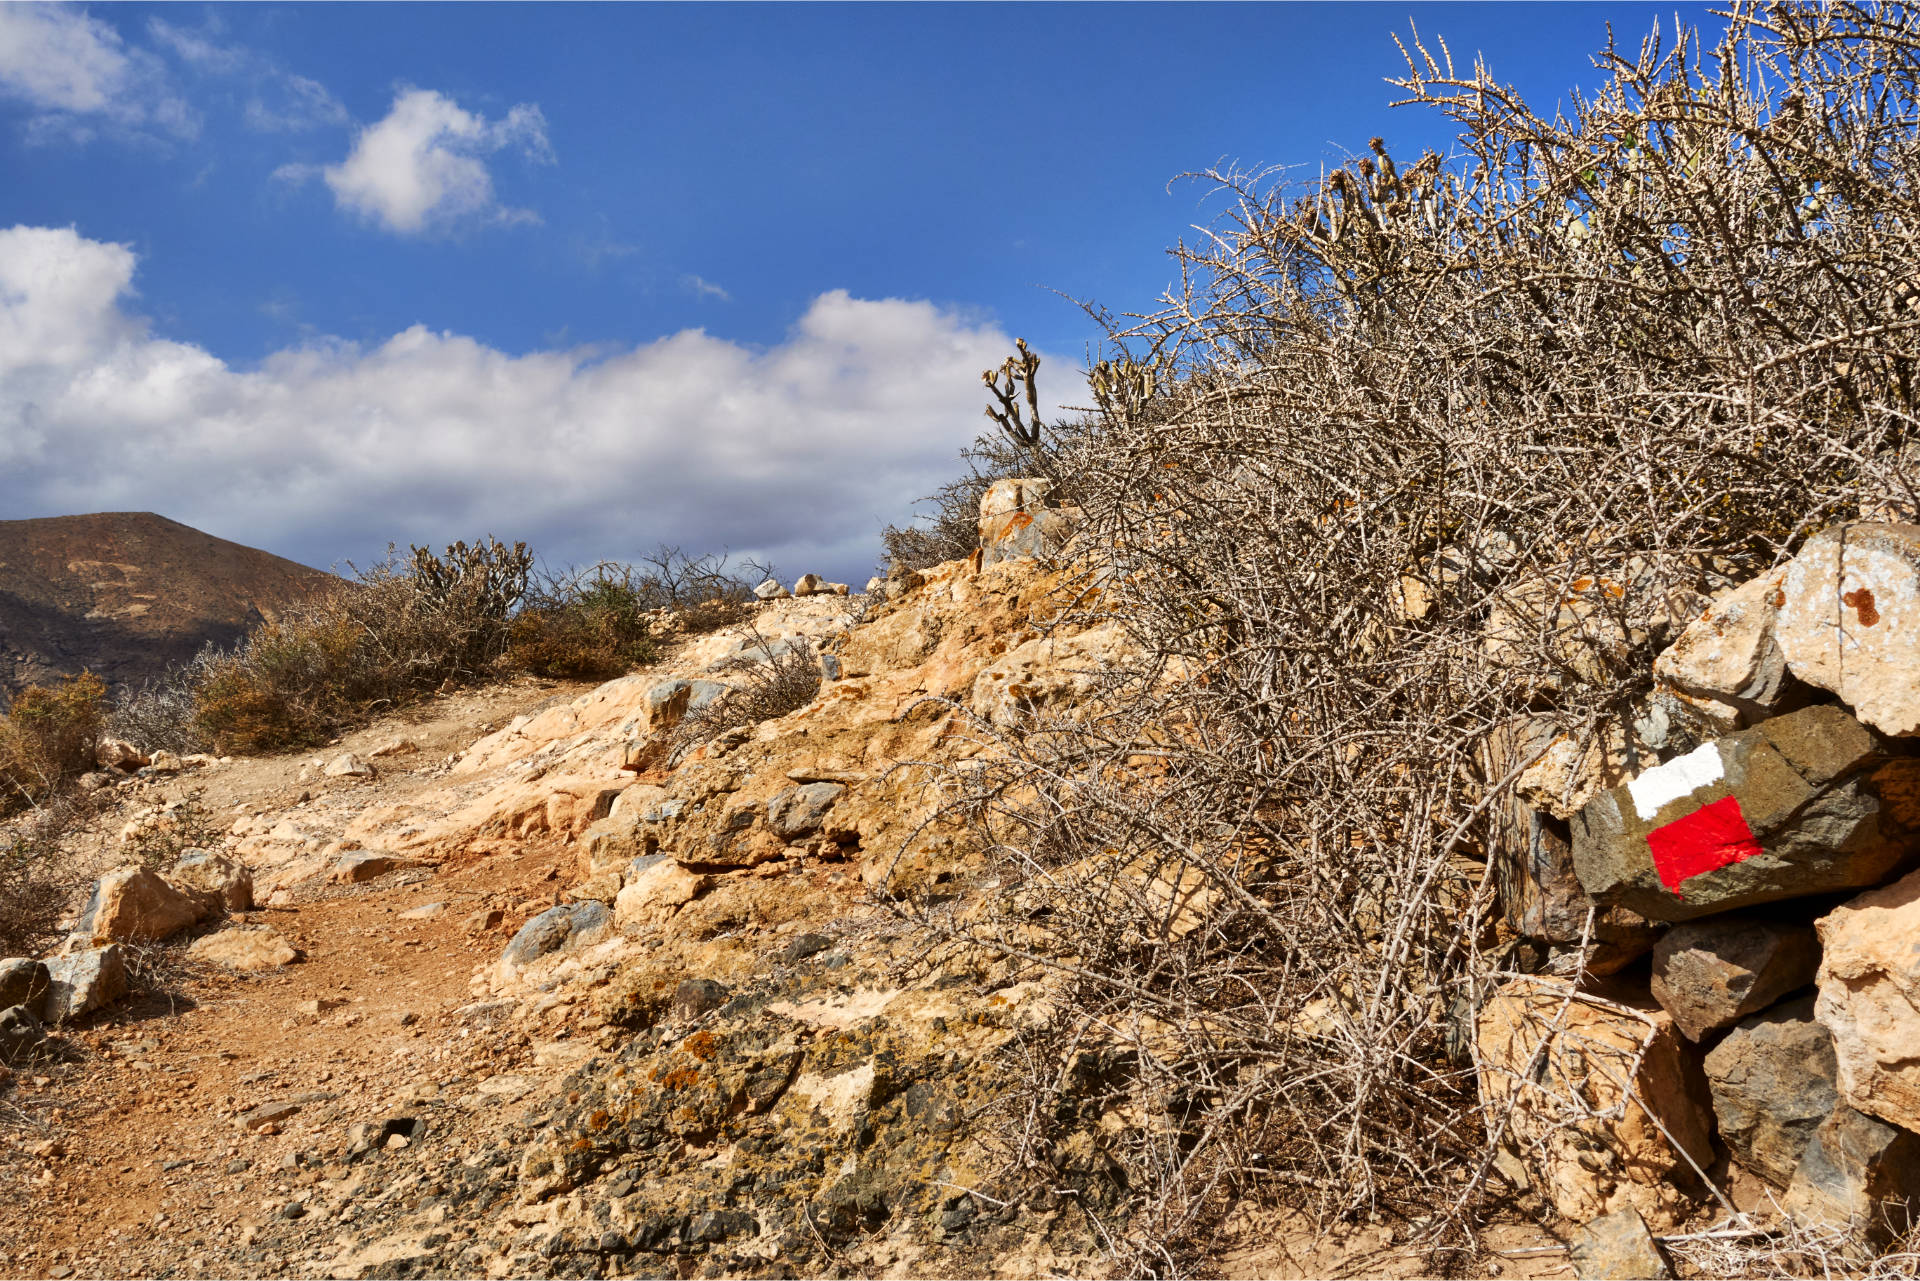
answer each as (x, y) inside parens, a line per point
(132, 1160)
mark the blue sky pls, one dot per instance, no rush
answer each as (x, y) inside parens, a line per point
(318, 278)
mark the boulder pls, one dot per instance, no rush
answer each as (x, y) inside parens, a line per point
(1572, 1132)
(23, 982)
(656, 888)
(83, 982)
(1850, 622)
(1711, 974)
(770, 589)
(1869, 999)
(569, 926)
(1858, 1174)
(1804, 803)
(240, 949)
(347, 765)
(226, 879)
(20, 1033)
(1772, 1081)
(695, 997)
(809, 585)
(1618, 1247)
(802, 811)
(1730, 654)
(136, 905)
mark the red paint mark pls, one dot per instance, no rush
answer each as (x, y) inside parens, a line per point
(1712, 837)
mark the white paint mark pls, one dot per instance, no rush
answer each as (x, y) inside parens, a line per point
(1678, 777)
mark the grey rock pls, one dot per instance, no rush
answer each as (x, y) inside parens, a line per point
(770, 589)
(20, 1032)
(361, 866)
(1618, 1247)
(1772, 1080)
(801, 946)
(800, 811)
(267, 1114)
(1787, 809)
(1857, 1173)
(24, 982)
(1711, 974)
(570, 925)
(83, 982)
(695, 997)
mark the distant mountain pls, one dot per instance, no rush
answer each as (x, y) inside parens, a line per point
(127, 594)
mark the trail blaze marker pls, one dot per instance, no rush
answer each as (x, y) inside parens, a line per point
(1712, 837)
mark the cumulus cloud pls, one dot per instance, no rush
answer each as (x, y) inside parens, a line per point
(76, 73)
(330, 450)
(424, 166)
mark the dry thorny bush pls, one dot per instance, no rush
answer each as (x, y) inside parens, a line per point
(769, 677)
(1429, 448)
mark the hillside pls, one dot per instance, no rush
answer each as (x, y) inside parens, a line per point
(127, 594)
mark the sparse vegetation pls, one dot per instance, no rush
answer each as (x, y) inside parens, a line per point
(771, 678)
(47, 738)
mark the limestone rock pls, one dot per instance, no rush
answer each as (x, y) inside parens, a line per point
(136, 905)
(23, 982)
(1790, 808)
(117, 753)
(1711, 974)
(809, 585)
(243, 949)
(669, 702)
(1772, 1081)
(347, 765)
(226, 879)
(1870, 999)
(1851, 620)
(1730, 654)
(801, 811)
(770, 589)
(165, 762)
(656, 888)
(359, 866)
(83, 982)
(1017, 521)
(1586, 1148)
(1618, 1247)
(1047, 672)
(1860, 1174)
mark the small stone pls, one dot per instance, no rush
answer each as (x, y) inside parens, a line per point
(348, 765)
(395, 747)
(20, 1033)
(483, 920)
(1711, 974)
(808, 585)
(425, 912)
(266, 1114)
(165, 762)
(238, 1167)
(1730, 654)
(135, 904)
(801, 811)
(293, 1210)
(226, 879)
(770, 589)
(801, 946)
(397, 1142)
(1869, 999)
(1772, 1081)
(1618, 1247)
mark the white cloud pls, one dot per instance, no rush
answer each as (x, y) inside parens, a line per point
(76, 73)
(422, 166)
(707, 289)
(277, 100)
(330, 450)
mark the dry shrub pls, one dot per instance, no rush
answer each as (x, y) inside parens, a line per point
(406, 628)
(39, 881)
(48, 737)
(583, 625)
(771, 677)
(698, 594)
(159, 714)
(949, 526)
(1431, 447)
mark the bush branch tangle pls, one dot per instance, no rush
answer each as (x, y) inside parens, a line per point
(1412, 452)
